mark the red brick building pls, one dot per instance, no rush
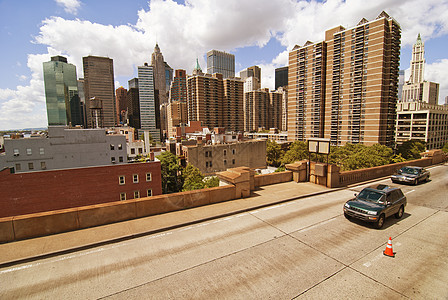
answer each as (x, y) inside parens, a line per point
(32, 192)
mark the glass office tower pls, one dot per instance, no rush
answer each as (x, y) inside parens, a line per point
(61, 92)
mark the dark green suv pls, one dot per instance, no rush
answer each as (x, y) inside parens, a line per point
(375, 204)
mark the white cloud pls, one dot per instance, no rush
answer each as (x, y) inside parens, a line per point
(70, 6)
(438, 72)
(187, 31)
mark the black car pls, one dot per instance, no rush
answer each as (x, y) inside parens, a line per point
(375, 204)
(412, 175)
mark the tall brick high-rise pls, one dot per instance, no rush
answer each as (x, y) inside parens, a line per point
(120, 96)
(346, 87)
(205, 93)
(232, 108)
(177, 111)
(99, 84)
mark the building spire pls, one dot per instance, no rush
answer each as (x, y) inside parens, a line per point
(197, 70)
(419, 40)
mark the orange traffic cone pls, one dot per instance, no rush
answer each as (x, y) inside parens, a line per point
(389, 251)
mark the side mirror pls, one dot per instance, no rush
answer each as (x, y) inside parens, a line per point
(356, 194)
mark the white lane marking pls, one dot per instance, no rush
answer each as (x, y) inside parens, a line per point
(317, 225)
(411, 191)
(379, 256)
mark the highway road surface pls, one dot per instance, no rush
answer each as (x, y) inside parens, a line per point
(302, 249)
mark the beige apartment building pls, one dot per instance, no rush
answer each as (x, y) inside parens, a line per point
(212, 158)
(232, 108)
(424, 122)
(345, 88)
(262, 109)
(214, 101)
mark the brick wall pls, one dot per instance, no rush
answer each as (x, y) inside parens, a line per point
(33, 192)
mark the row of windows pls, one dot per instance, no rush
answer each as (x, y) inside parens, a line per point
(29, 151)
(113, 160)
(43, 166)
(135, 178)
(209, 164)
(209, 153)
(120, 147)
(136, 194)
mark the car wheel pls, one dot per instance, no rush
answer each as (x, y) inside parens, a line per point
(400, 212)
(379, 224)
(347, 216)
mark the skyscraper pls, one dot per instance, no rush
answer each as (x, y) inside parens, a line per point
(148, 101)
(61, 92)
(99, 84)
(262, 109)
(232, 108)
(120, 96)
(177, 111)
(418, 89)
(133, 104)
(281, 77)
(221, 62)
(345, 88)
(253, 71)
(205, 95)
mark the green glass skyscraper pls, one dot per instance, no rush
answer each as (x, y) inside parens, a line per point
(61, 92)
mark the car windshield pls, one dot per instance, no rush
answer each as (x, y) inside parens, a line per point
(371, 195)
(410, 171)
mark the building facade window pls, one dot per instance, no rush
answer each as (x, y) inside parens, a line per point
(225, 162)
(30, 166)
(132, 150)
(41, 151)
(43, 165)
(28, 151)
(16, 152)
(120, 147)
(140, 150)
(148, 193)
(136, 194)
(18, 167)
(120, 159)
(225, 152)
(135, 178)
(122, 196)
(112, 159)
(121, 180)
(112, 147)
(148, 177)
(233, 161)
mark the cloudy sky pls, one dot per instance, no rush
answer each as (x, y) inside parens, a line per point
(258, 32)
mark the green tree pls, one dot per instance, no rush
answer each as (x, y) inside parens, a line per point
(411, 149)
(274, 153)
(297, 151)
(193, 179)
(172, 179)
(211, 181)
(445, 148)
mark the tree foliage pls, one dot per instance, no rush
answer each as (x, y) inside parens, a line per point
(297, 151)
(358, 156)
(445, 148)
(411, 149)
(172, 179)
(194, 180)
(274, 153)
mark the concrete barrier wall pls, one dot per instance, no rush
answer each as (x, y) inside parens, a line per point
(351, 177)
(273, 178)
(52, 222)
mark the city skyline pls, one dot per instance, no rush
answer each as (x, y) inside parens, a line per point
(128, 32)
